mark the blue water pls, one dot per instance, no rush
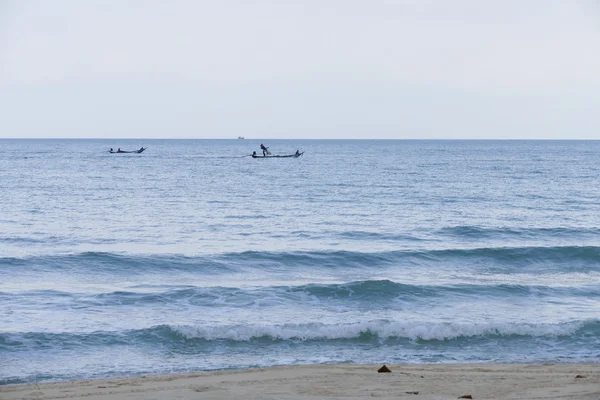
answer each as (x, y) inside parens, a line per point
(192, 256)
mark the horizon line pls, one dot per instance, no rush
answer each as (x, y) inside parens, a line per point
(236, 139)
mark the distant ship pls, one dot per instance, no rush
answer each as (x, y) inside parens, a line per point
(240, 137)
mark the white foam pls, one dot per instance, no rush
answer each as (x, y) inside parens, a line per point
(383, 330)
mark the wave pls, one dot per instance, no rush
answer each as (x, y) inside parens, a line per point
(551, 259)
(377, 236)
(363, 292)
(38, 238)
(20, 240)
(362, 332)
(381, 329)
(570, 257)
(115, 262)
(386, 289)
(478, 232)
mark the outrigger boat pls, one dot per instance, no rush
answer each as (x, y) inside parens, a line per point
(123, 151)
(295, 155)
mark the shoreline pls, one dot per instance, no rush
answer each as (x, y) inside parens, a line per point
(332, 381)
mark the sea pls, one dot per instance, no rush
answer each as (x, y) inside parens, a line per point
(193, 256)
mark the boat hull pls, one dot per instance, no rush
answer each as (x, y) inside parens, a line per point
(127, 152)
(283, 156)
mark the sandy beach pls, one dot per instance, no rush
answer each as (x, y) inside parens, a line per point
(480, 381)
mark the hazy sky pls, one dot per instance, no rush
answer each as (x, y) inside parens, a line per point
(300, 69)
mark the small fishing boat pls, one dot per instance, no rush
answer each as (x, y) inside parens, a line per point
(123, 151)
(295, 155)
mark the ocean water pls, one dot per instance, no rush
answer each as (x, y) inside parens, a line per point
(192, 256)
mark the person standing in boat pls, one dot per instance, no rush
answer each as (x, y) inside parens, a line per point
(264, 149)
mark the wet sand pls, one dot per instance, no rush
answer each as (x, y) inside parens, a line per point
(340, 381)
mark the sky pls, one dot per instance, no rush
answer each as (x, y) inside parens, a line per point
(303, 69)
